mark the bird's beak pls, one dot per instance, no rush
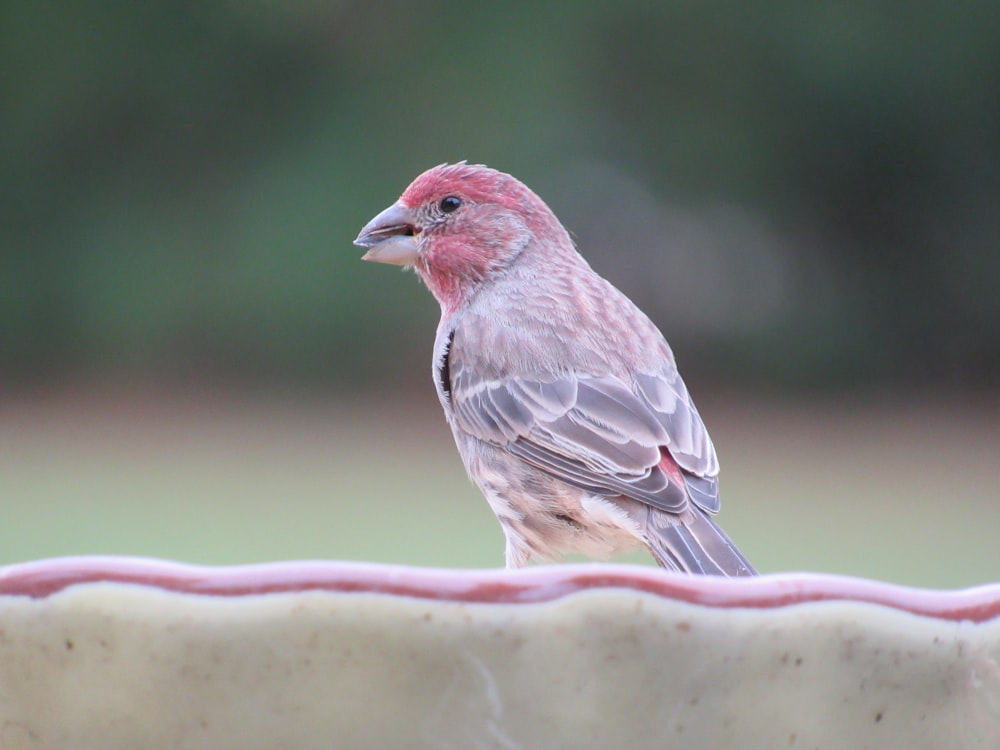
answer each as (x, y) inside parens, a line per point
(391, 237)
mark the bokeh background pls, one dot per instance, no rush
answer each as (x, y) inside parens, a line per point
(194, 364)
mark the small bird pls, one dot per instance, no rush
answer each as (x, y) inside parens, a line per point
(563, 397)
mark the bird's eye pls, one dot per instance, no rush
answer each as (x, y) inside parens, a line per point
(450, 203)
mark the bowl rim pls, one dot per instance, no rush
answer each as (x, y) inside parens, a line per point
(42, 578)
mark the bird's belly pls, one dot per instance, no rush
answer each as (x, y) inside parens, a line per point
(543, 517)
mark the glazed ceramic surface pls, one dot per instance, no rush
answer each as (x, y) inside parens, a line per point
(127, 653)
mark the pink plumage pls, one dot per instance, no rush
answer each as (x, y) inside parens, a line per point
(563, 397)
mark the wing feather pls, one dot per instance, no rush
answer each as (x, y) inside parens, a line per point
(595, 433)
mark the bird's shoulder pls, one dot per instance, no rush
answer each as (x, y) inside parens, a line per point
(534, 326)
(596, 350)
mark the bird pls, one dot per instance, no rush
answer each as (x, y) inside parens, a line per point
(563, 397)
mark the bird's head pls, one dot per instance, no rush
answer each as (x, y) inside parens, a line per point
(458, 225)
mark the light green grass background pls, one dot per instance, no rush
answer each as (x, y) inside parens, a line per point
(907, 493)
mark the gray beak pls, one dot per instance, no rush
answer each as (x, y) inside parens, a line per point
(391, 237)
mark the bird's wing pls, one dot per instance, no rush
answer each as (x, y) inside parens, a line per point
(596, 433)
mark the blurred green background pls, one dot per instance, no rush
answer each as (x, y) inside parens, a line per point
(194, 363)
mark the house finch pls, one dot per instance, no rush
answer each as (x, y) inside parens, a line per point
(563, 397)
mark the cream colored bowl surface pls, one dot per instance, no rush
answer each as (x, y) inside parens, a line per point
(135, 653)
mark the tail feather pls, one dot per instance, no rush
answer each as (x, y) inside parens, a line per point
(694, 544)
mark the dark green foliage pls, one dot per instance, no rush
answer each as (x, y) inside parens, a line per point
(180, 182)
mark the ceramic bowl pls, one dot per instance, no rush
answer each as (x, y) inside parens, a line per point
(134, 653)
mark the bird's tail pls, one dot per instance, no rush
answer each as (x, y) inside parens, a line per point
(694, 544)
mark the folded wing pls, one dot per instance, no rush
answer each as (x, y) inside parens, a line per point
(597, 433)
